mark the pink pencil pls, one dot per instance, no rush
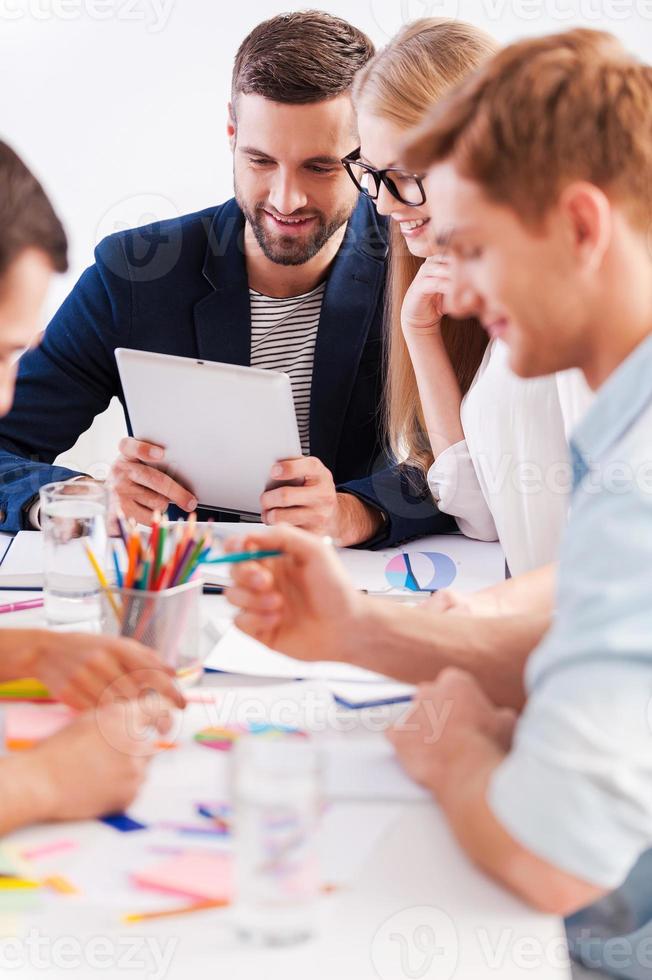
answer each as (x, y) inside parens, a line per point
(17, 606)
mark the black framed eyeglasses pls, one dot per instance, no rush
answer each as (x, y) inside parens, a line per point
(404, 186)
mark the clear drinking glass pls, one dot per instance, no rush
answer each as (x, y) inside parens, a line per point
(276, 811)
(73, 519)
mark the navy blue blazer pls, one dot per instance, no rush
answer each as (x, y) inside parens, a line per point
(180, 287)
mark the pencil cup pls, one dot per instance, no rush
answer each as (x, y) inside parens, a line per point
(167, 621)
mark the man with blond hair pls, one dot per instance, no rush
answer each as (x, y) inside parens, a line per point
(540, 165)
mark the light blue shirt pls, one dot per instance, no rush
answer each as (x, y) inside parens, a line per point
(576, 789)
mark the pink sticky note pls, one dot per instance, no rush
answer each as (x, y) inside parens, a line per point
(34, 722)
(198, 875)
(45, 850)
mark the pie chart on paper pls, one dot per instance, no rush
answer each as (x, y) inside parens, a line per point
(421, 571)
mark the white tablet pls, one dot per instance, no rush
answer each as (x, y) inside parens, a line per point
(223, 426)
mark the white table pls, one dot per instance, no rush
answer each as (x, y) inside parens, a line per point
(418, 909)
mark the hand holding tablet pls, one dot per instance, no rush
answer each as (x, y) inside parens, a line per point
(205, 434)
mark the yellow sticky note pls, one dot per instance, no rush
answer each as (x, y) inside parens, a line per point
(26, 689)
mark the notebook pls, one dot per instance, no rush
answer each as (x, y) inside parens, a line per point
(23, 563)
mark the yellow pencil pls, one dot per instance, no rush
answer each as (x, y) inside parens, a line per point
(10, 883)
(102, 579)
(182, 910)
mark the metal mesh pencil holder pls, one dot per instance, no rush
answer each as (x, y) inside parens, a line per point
(167, 621)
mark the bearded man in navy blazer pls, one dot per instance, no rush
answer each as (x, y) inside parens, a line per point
(298, 247)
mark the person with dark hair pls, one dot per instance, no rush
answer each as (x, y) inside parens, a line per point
(98, 762)
(288, 276)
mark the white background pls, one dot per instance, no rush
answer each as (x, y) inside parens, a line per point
(120, 105)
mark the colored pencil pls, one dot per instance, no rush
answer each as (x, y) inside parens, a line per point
(118, 573)
(181, 910)
(10, 607)
(243, 556)
(101, 578)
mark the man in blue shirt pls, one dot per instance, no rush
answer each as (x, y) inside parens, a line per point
(184, 287)
(540, 167)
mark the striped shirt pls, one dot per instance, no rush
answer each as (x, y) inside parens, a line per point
(283, 338)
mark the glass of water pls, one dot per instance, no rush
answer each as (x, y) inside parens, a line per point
(276, 814)
(73, 519)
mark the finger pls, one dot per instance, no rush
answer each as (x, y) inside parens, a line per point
(304, 467)
(161, 483)
(142, 515)
(252, 576)
(125, 487)
(146, 452)
(258, 602)
(441, 601)
(505, 723)
(83, 689)
(148, 672)
(305, 496)
(257, 625)
(149, 499)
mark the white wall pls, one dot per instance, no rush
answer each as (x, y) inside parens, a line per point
(119, 105)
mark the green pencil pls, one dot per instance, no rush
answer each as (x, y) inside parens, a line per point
(244, 556)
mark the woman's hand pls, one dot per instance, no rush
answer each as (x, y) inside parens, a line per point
(81, 669)
(424, 303)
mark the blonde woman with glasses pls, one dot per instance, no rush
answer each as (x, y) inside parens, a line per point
(494, 445)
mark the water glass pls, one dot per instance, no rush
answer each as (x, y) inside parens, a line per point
(276, 811)
(73, 519)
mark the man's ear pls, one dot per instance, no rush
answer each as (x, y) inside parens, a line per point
(588, 212)
(231, 129)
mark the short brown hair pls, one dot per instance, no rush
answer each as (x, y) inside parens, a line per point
(300, 58)
(27, 219)
(572, 106)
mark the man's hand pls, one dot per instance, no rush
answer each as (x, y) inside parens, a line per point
(81, 669)
(140, 487)
(315, 505)
(301, 604)
(444, 718)
(97, 764)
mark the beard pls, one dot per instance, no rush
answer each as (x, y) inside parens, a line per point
(288, 249)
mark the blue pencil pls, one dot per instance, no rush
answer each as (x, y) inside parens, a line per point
(118, 573)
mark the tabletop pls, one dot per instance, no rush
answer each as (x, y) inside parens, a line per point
(415, 908)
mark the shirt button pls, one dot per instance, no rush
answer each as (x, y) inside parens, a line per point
(3, 516)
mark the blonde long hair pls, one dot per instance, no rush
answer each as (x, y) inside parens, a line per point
(400, 84)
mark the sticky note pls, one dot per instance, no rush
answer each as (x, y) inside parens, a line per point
(27, 724)
(120, 821)
(193, 874)
(223, 738)
(27, 689)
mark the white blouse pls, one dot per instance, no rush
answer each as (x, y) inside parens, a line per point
(509, 480)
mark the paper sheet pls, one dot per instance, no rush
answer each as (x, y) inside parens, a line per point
(237, 653)
(444, 560)
(366, 768)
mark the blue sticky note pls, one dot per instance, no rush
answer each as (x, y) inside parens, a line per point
(120, 821)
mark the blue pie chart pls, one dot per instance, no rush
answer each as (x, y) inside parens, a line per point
(421, 571)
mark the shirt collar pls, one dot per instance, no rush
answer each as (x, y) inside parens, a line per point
(619, 403)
